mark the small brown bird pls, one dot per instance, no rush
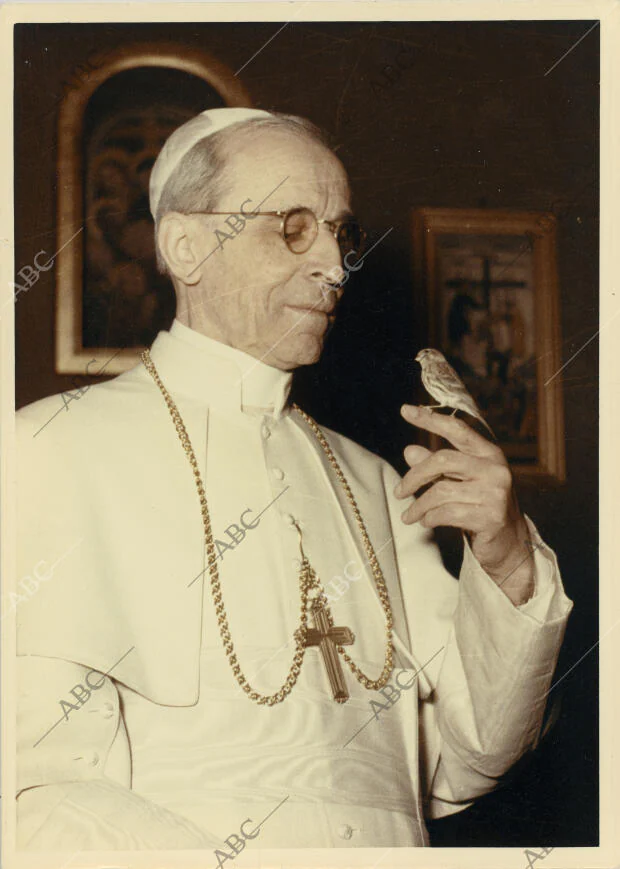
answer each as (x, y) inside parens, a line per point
(443, 383)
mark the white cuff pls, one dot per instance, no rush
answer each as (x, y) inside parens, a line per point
(548, 603)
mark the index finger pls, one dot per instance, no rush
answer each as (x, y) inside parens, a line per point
(453, 429)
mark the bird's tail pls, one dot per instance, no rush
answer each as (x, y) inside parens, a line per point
(487, 426)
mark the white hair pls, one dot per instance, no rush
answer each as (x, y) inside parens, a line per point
(199, 181)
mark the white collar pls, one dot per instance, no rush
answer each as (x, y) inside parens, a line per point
(199, 367)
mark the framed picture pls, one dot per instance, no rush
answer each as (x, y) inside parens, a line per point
(115, 115)
(487, 283)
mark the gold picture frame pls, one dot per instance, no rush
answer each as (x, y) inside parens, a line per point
(72, 354)
(487, 286)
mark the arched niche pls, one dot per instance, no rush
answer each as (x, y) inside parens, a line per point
(118, 109)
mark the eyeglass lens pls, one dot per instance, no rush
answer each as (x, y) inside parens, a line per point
(301, 229)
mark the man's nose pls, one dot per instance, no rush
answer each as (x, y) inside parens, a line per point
(326, 258)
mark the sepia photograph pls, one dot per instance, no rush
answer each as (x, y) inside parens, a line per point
(301, 442)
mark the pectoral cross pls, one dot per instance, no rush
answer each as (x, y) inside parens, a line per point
(327, 638)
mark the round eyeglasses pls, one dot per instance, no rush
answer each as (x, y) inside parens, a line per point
(299, 227)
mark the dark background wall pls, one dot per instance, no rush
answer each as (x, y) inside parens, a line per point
(480, 118)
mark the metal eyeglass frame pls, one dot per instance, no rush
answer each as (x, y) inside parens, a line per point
(334, 225)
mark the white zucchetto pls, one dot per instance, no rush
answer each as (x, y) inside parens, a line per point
(185, 137)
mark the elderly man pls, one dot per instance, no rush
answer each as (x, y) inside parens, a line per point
(188, 676)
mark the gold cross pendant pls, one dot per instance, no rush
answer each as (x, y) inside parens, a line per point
(327, 638)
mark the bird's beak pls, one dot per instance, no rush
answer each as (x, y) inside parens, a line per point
(419, 357)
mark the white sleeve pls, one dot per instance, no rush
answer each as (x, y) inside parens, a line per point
(495, 677)
(486, 664)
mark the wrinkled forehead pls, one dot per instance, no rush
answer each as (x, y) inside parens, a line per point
(289, 169)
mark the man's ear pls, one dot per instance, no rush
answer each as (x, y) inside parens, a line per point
(176, 245)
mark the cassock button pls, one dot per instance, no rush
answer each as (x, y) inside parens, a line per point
(108, 710)
(278, 473)
(345, 831)
(92, 758)
(265, 431)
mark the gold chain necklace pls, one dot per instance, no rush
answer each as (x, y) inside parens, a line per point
(308, 580)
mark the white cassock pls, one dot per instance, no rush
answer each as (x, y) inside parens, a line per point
(166, 750)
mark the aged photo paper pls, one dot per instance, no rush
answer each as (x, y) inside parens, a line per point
(260, 606)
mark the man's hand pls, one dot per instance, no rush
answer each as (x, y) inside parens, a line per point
(471, 489)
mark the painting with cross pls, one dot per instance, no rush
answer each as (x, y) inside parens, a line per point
(487, 329)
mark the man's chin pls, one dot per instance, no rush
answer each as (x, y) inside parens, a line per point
(305, 350)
